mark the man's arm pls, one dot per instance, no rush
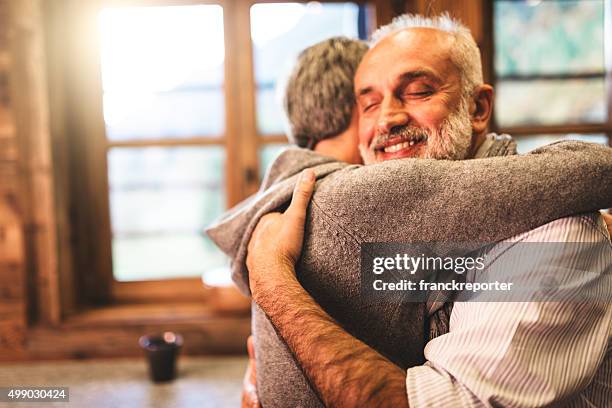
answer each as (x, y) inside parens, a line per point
(344, 370)
(481, 200)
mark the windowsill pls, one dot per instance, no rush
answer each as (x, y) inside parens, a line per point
(151, 313)
(113, 331)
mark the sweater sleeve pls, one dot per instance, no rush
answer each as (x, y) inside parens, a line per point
(480, 200)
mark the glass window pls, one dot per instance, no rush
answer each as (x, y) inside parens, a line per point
(549, 62)
(279, 31)
(549, 37)
(161, 201)
(162, 71)
(527, 143)
(549, 102)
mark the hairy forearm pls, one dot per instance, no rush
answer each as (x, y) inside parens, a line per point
(344, 371)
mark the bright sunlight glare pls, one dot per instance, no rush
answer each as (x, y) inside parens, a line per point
(145, 50)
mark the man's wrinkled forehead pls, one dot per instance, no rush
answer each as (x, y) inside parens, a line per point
(413, 48)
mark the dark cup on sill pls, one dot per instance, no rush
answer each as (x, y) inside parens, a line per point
(162, 352)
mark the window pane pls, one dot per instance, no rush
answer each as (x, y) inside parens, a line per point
(267, 154)
(162, 71)
(549, 37)
(161, 200)
(550, 102)
(525, 144)
(279, 32)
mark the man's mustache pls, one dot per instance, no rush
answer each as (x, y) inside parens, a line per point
(404, 133)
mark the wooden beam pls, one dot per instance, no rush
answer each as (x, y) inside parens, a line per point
(552, 77)
(279, 139)
(114, 332)
(13, 300)
(242, 174)
(188, 289)
(233, 172)
(608, 63)
(188, 141)
(556, 129)
(57, 77)
(78, 45)
(30, 110)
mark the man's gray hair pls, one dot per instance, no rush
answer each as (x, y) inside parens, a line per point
(319, 97)
(465, 53)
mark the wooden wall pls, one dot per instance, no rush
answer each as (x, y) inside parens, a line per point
(29, 290)
(12, 244)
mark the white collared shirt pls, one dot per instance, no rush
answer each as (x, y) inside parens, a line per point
(526, 354)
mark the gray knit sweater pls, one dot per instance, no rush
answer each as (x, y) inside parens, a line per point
(480, 200)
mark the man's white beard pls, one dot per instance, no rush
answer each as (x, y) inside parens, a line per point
(451, 141)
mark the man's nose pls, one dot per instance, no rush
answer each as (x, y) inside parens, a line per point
(392, 114)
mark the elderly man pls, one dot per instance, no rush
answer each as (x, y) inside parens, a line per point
(404, 200)
(420, 94)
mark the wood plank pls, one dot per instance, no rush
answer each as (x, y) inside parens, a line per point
(12, 341)
(144, 3)
(233, 173)
(14, 311)
(103, 338)
(13, 304)
(12, 256)
(5, 59)
(187, 141)
(12, 289)
(277, 139)
(28, 94)
(247, 123)
(159, 291)
(79, 142)
(140, 314)
(8, 177)
(608, 62)
(4, 23)
(54, 22)
(8, 150)
(7, 125)
(555, 129)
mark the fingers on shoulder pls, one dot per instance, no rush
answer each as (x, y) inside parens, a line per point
(303, 191)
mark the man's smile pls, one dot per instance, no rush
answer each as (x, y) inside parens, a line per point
(401, 147)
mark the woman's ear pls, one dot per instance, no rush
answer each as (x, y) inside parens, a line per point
(481, 108)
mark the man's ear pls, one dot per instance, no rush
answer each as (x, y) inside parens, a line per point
(481, 108)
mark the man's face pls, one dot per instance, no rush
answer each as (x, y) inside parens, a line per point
(410, 99)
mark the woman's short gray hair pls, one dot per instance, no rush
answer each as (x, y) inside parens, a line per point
(319, 97)
(465, 53)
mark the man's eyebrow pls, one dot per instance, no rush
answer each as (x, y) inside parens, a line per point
(364, 91)
(421, 73)
(406, 77)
